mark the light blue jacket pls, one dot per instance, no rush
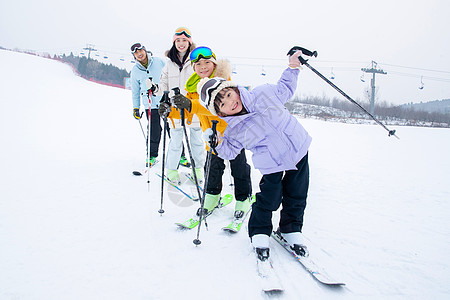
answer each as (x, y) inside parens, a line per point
(138, 76)
(278, 141)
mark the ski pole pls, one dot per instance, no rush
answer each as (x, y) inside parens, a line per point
(207, 167)
(145, 138)
(305, 62)
(164, 99)
(149, 118)
(183, 125)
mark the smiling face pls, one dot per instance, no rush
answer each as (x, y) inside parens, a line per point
(228, 102)
(141, 56)
(182, 44)
(204, 68)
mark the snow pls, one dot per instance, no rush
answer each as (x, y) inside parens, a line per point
(75, 224)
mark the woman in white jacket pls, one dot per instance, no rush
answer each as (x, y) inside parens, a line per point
(176, 72)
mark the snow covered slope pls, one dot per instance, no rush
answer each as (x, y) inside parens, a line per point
(75, 224)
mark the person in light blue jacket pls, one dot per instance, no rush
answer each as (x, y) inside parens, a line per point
(144, 79)
(258, 121)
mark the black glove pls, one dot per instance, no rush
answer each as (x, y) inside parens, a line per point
(182, 102)
(136, 113)
(164, 109)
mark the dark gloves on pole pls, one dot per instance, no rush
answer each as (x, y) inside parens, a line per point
(181, 102)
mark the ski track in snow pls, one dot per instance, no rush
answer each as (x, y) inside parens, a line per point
(75, 224)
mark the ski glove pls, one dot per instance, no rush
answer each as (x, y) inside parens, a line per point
(164, 109)
(136, 113)
(212, 140)
(182, 102)
(151, 87)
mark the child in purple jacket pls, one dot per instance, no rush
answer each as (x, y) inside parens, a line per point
(258, 121)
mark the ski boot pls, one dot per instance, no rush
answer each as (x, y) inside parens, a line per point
(242, 207)
(184, 162)
(150, 161)
(211, 201)
(296, 242)
(174, 177)
(199, 174)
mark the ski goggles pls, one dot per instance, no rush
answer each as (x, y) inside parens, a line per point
(136, 47)
(207, 89)
(183, 30)
(201, 52)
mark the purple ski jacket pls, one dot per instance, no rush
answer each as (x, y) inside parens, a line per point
(275, 137)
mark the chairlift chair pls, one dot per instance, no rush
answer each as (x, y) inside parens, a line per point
(263, 73)
(421, 83)
(332, 76)
(362, 78)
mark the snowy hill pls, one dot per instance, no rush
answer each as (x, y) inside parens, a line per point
(75, 224)
(439, 106)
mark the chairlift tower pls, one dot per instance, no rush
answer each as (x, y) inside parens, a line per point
(90, 48)
(374, 71)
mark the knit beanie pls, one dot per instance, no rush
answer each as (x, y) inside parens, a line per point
(208, 88)
(182, 32)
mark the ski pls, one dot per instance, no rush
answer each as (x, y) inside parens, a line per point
(139, 173)
(189, 176)
(236, 224)
(238, 219)
(270, 282)
(193, 222)
(177, 187)
(317, 272)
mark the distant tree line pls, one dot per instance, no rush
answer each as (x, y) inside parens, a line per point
(382, 110)
(92, 69)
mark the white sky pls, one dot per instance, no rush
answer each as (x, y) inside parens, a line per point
(408, 39)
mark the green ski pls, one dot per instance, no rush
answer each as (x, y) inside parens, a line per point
(193, 222)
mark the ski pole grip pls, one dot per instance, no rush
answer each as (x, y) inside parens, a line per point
(214, 126)
(176, 90)
(165, 97)
(304, 52)
(213, 138)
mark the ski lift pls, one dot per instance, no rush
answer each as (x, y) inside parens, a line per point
(234, 70)
(421, 83)
(263, 73)
(332, 76)
(105, 56)
(122, 58)
(82, 53)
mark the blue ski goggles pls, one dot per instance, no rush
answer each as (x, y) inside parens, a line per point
(201, 52)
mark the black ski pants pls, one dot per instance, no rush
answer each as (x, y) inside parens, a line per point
(155, 131)
(289, 188)
(240, 170)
